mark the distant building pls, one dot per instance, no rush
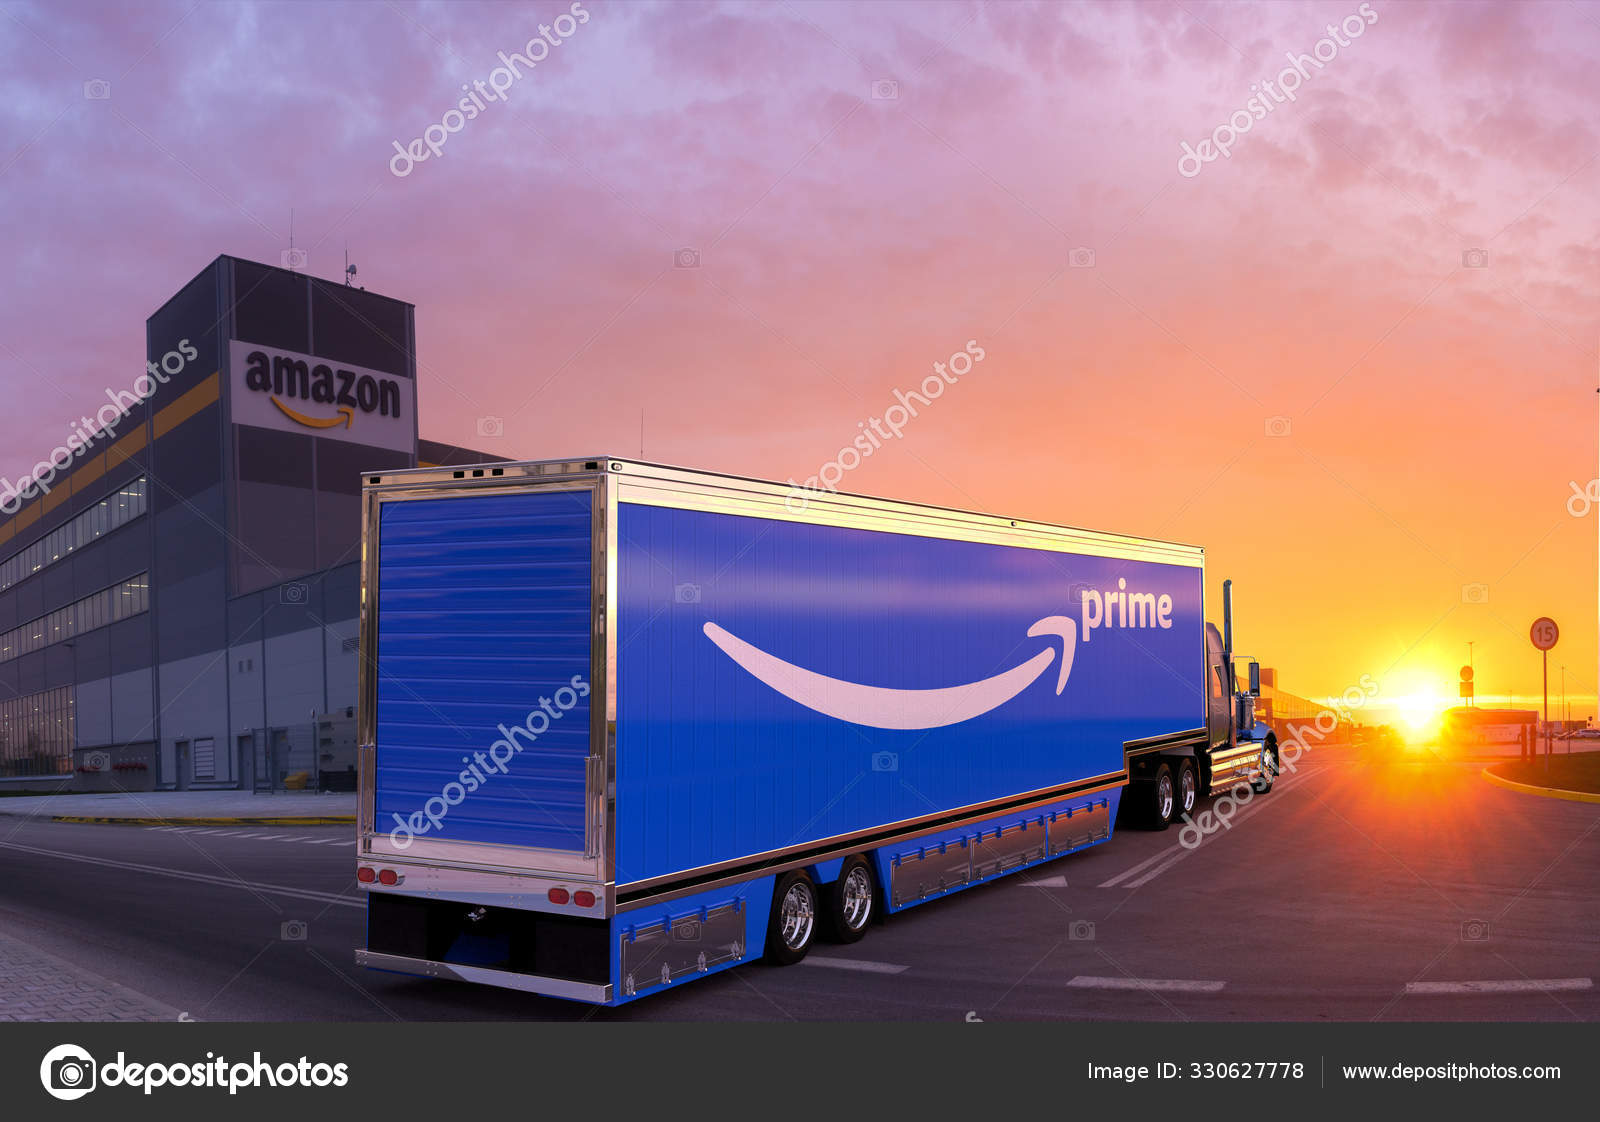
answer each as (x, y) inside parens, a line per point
(1488, 731)
(179, 594)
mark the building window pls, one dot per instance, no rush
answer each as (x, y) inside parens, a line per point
(99, 609)
(36, 733)
(118, 508)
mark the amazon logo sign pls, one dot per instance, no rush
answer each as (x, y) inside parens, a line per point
(294, 392)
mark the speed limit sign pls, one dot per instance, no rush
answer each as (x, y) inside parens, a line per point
(1544, 633)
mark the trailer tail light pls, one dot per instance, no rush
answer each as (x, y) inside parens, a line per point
(583, 899)
(366, 874)
(557, 895)
(388, 876)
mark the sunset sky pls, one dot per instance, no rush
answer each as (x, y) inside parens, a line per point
(1355, 359)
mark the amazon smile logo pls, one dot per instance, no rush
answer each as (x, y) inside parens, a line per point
(293, 378)
(883, 708)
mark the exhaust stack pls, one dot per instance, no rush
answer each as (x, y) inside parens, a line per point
(1227, 621)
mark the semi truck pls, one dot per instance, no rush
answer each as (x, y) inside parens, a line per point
(623, 725)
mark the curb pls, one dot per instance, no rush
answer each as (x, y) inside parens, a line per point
(1547, 792)
(308, 820)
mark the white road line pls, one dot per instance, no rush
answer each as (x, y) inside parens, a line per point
(1520, 985)
(1140, 867)
(860, 965)
(326, 841)
(351, 844)
(1047, 882)
(247, 835)
(1149, 985)
(199, 878)
(1173, 854)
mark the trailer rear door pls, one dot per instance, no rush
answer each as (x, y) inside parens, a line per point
(483, 612)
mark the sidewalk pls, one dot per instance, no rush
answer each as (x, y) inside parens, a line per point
(39, 986)
(188, 808)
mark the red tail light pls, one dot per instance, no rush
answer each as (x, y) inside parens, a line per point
(583, 899)
(366, 874)
(557, 895)
(388, 876)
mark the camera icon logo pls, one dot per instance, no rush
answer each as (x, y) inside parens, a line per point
(292, 931)
(1475, 593)
(686, 259)
(67, 1072)
(1278, 426)
(1081, 258)
(1474, 930)
(293, 593)
(97, 761)
(686, 594)
(1081, 931)
(97, 89)
(886, 89)
(686, 931)
(491, 426)
(885, 761)
(1474, 258)
(294, 259)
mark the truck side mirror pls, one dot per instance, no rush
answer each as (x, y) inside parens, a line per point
(1255, 679)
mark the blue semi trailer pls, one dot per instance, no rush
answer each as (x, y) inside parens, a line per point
(624, 725)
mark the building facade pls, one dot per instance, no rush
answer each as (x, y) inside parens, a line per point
(179, 584)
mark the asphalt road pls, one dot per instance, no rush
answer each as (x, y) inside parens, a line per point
(1411, 890)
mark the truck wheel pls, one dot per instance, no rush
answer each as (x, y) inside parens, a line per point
(851, 902)
(793, 922)
(1161, 798)
(1188, 792)
(1269, 770)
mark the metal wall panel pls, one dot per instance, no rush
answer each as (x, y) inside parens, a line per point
(485, 610)
(714, 765)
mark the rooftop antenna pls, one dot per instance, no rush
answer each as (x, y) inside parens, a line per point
(641, 434)
(291, 258)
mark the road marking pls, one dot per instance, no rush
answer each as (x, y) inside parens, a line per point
(859, 965)
(1520, 985)
(199, 878)
(1149, 985)
(1173, 854)
(1140, 867)
(1047, 882)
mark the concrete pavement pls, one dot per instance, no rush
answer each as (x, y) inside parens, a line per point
(212, 808)
(1355, 891)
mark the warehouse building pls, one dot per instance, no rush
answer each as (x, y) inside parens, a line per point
(179, 577)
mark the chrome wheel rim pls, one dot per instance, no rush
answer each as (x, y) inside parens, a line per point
(1164, 796)
(1188, 790)
(797, 914)
(856, 897)
(1266, 764)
